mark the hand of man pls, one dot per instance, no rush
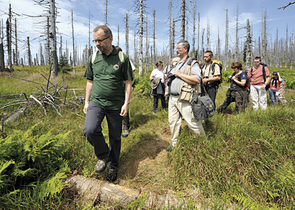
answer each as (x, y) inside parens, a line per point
(85, 108)
(124, 110)
(263, 87)
(205, 81)
(177, 72)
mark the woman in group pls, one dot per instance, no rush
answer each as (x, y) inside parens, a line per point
(237, 91)
(158, 86)
(274, 87)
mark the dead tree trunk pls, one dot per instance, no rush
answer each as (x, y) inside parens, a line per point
(29, 52)
(237, 35)
(2, 64)
(249, 42)
(16, 47)
(73, 37)
(8, 44)
(127, 35)
(203, 34)
(173, 34)
(226, 41)
(52, 35)
(183, 20)
(276, 49)
(60, 47)
(286, 47)
(199, 56)
(208, 34)
(41, 56)
(154, 34)
(47, 47)
(194, 29)
(146, 46)
(140, 37)
(170, 32)
(118, 43)
(106, 14)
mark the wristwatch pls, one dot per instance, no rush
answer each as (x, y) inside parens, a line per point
(127, 101)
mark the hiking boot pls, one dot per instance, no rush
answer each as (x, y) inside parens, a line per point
(125, 133)
(112, 174)
(169, 148)
(101, 165)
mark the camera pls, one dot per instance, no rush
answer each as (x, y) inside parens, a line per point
(171, 77)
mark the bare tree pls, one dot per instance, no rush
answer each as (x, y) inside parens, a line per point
(154, 34)
(249, 43)
(199, 35)
(208, 34)
(237, 35)
(194, 28)
(73, 37)
(226, 41)
(52, 36)
(127, 35)
(183, 19)
(16, 47)
(29, 52)
(170, 31)
(106, 13)
(118, 42)
(140, 37)
(286, 47)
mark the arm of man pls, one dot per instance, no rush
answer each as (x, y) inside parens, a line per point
(190, 79)
(268, 78)
(128, 89)
(89, 85)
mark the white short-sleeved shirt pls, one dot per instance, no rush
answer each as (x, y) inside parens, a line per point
(156, 73)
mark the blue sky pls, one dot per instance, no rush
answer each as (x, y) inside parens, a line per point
(212, 11)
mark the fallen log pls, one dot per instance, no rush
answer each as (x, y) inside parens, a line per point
(92, 192)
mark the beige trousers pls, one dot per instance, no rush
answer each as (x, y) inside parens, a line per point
(179, 110)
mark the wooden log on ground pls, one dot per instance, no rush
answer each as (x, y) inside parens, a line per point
(92, 191)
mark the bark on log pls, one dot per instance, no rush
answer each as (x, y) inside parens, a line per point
(92, 191)
(282, 92)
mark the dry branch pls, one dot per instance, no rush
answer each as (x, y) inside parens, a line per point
(284, 7)
(92, 191)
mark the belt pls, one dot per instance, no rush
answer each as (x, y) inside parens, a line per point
(174, 94)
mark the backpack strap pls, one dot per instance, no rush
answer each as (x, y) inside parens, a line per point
(120, 54)
(93, 57)
(263, 71)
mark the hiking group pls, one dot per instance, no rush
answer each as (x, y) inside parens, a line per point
(109, 75)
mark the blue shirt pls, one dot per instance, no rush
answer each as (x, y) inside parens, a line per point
(240, 77)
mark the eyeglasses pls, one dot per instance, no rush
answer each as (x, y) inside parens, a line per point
(100, 40)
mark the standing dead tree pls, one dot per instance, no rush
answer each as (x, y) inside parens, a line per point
(226, 41)
(73, 37)
(127, 35)
(183, 20)
(249, 43)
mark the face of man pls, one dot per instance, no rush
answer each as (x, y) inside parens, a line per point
(103, 43)
(207, 57)
(257, 63)
(181, 51)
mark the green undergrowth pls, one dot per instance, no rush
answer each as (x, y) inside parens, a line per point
(247, 158)
(32, 167)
